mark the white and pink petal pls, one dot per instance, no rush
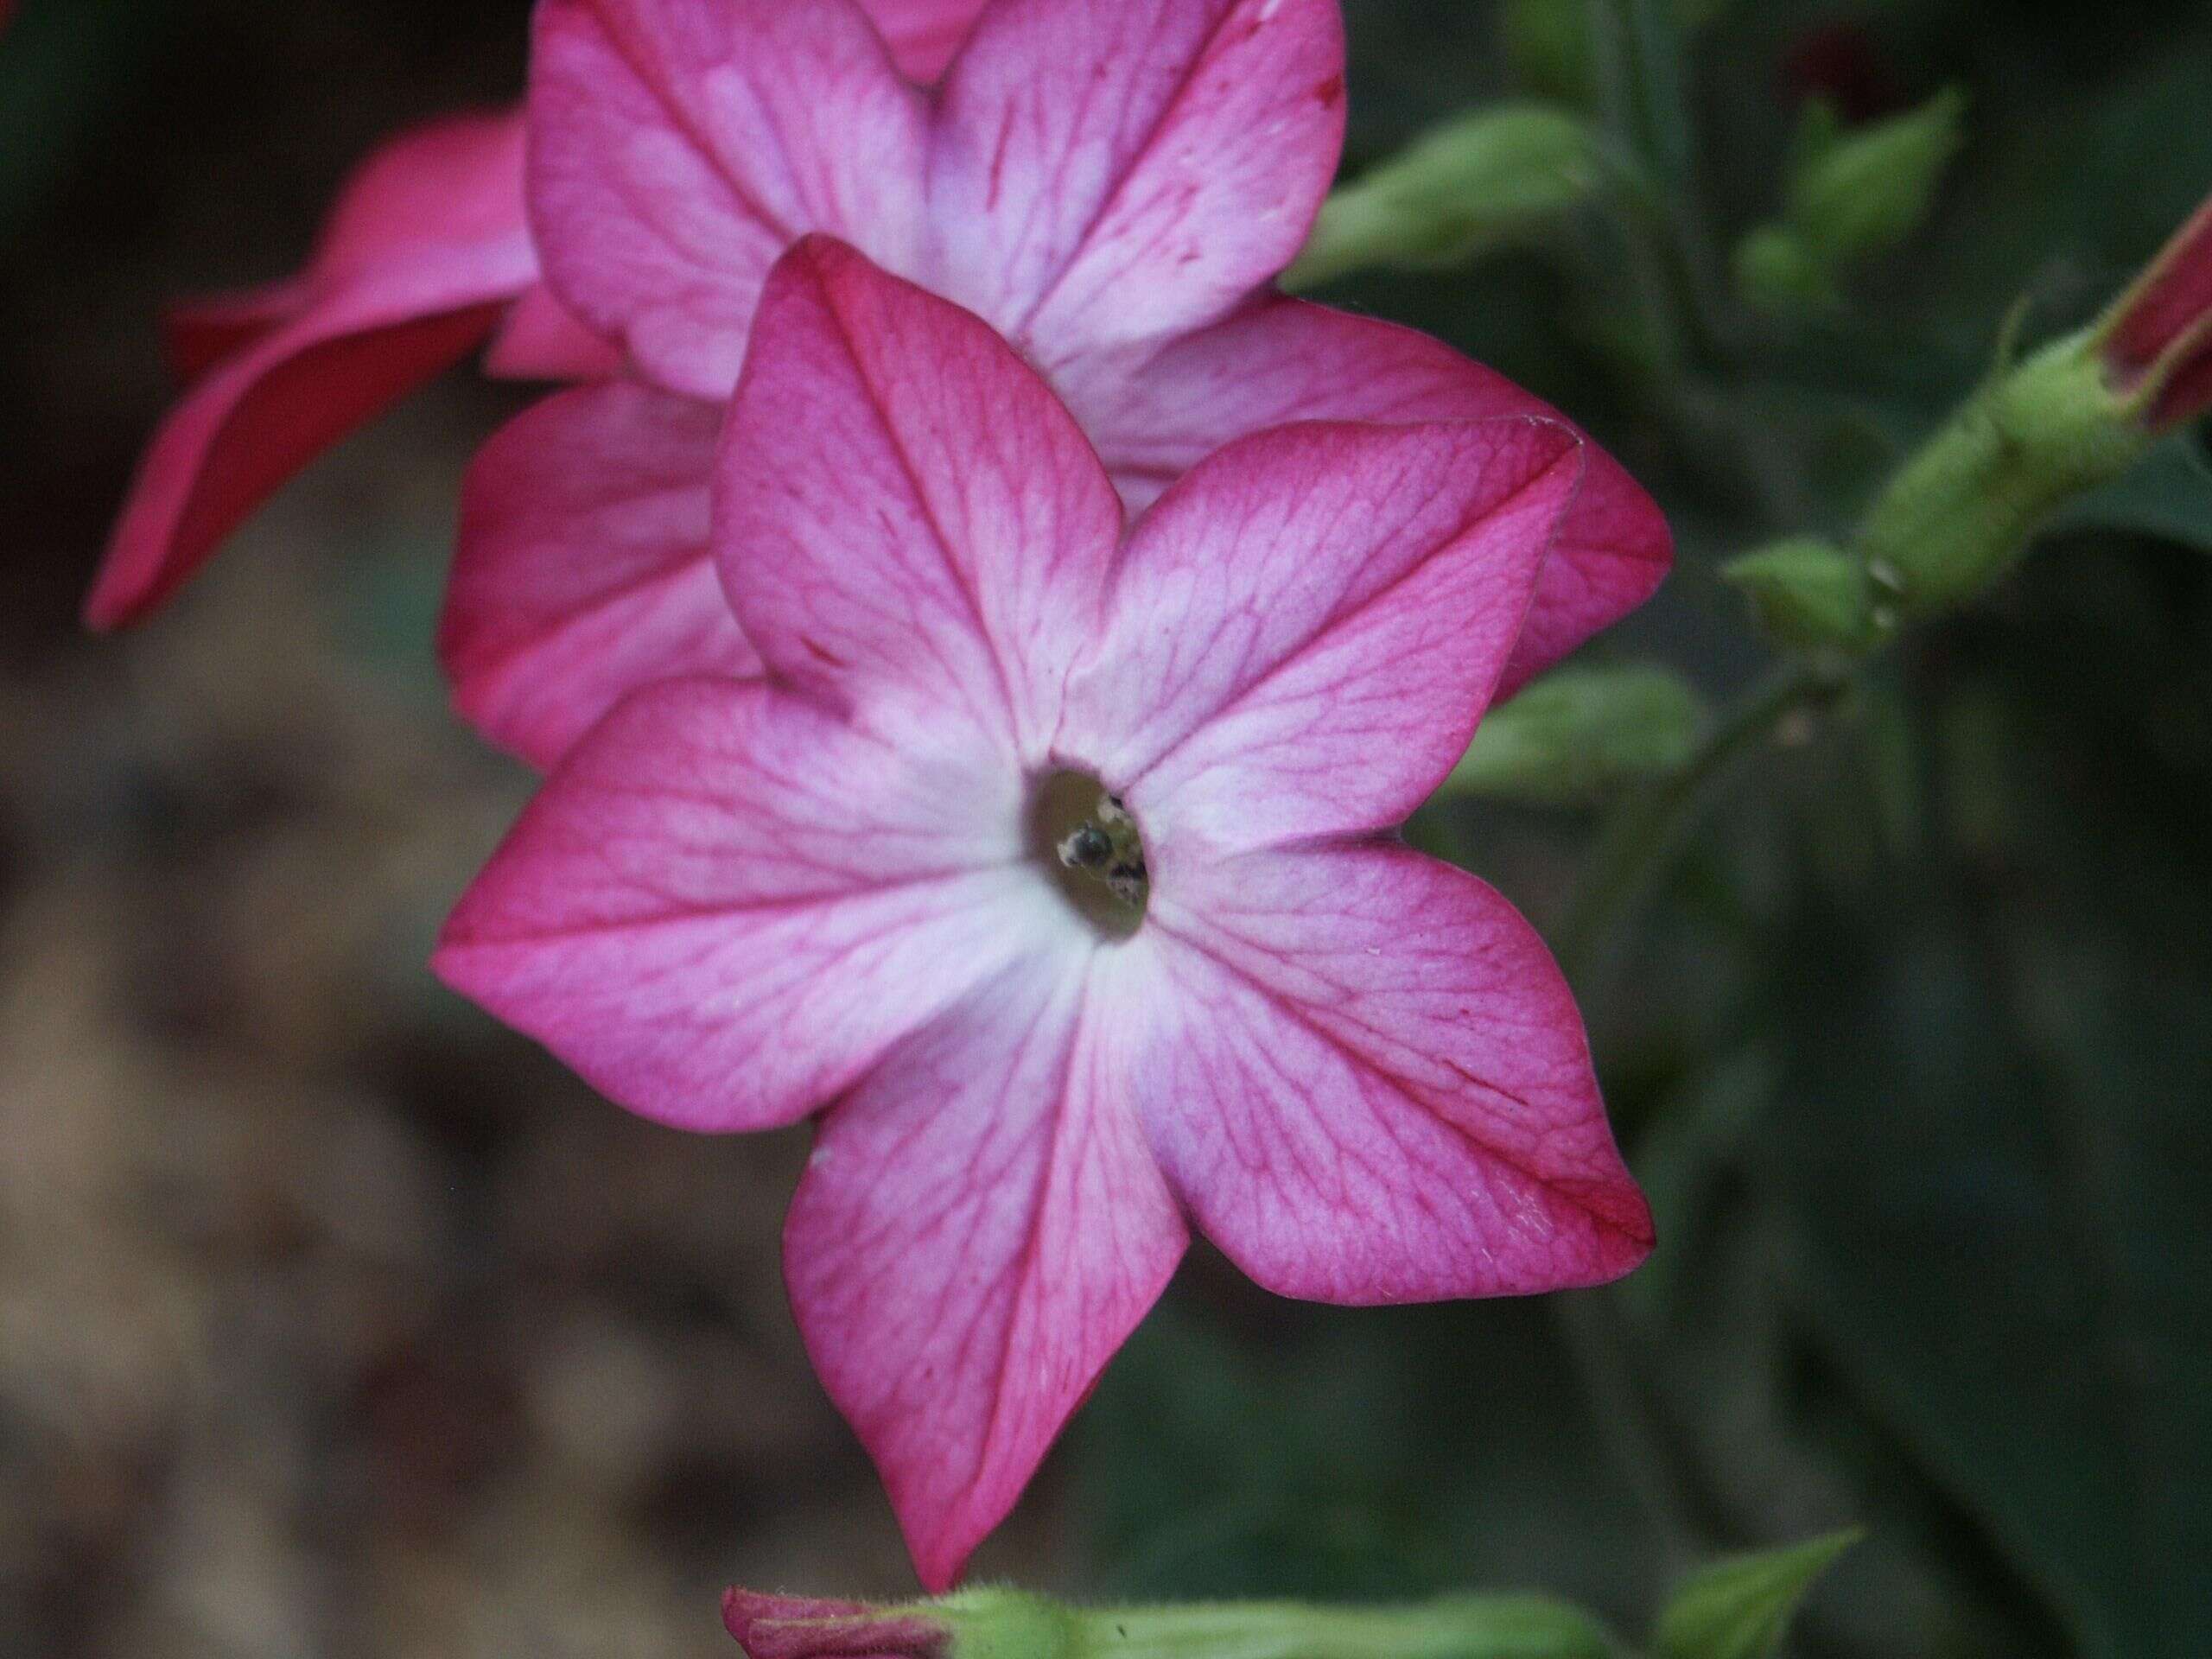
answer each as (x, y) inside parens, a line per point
(981, 1226)
(1283, 361)
(1306, 628)
(1368, 1083)
(1106, 174)
(677, 149)
(907, 517)
(726, 906)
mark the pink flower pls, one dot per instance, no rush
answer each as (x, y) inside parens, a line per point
(426, 251)
(1113, 184)
(2159, 333)
(1045, 1025)
(803, 1627)
(422, 254)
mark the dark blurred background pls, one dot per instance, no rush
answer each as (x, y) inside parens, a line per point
(335, 1320)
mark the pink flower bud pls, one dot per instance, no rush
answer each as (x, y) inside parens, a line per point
(2158, 334)
(803, 1627)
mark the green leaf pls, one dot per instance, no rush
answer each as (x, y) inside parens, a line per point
(1862, 191)
(1739, 1608)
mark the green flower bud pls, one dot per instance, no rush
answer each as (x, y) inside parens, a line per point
(1777, 271)
(1487, 178)
(1853, 192)
(1857, 191)
(1810, 596)
(998, 1623)
(1578, 734)
(1962, 510)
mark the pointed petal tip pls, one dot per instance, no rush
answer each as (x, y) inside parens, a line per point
(107, 609)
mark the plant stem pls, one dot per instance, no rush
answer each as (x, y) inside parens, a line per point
(1450, 1627)
(1639, 54)
(1643, 836)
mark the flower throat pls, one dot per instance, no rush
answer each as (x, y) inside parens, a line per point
(1092, 852)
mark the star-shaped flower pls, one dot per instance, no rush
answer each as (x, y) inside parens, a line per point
(1049, 861)
(1113, 184)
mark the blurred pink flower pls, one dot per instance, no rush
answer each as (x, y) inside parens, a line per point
(1045, 1024)
(1113, 187)
(805, 1627)
(427, 250)
(2160, 330)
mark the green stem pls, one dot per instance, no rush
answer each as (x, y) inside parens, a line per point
(1450, 1627)
(1625, 1426)
(1645, 835)
(995, 1623)
(1640, 70)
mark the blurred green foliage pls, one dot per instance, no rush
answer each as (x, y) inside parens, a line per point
(1913, 1049)
(1578, 734)
(1740, 1608)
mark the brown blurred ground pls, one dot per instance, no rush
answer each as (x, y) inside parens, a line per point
(334, 1320)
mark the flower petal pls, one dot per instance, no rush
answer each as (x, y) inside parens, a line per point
(1286, 360)
(583, 570)
(905, 511)
(982, 1225)
(248, 425)
(923, 34)
(725, 906)
(1104, 174)
(541, 340)
(1368, 1082)
(198, 334)
(425, 242)
(678, 147)
(1306, 629)
(2172, 296)
(449, 184)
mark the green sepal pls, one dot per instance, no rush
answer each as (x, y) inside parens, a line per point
(1739, 1608)
(1810, 596)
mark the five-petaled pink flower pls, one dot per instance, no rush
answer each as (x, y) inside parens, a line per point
(1113, 184)
(1051, 863)
(427, 255)
(2158, 334)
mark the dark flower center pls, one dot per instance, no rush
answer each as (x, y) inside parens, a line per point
(1089, 848)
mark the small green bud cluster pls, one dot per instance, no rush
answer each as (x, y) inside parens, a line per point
(1851, 194)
